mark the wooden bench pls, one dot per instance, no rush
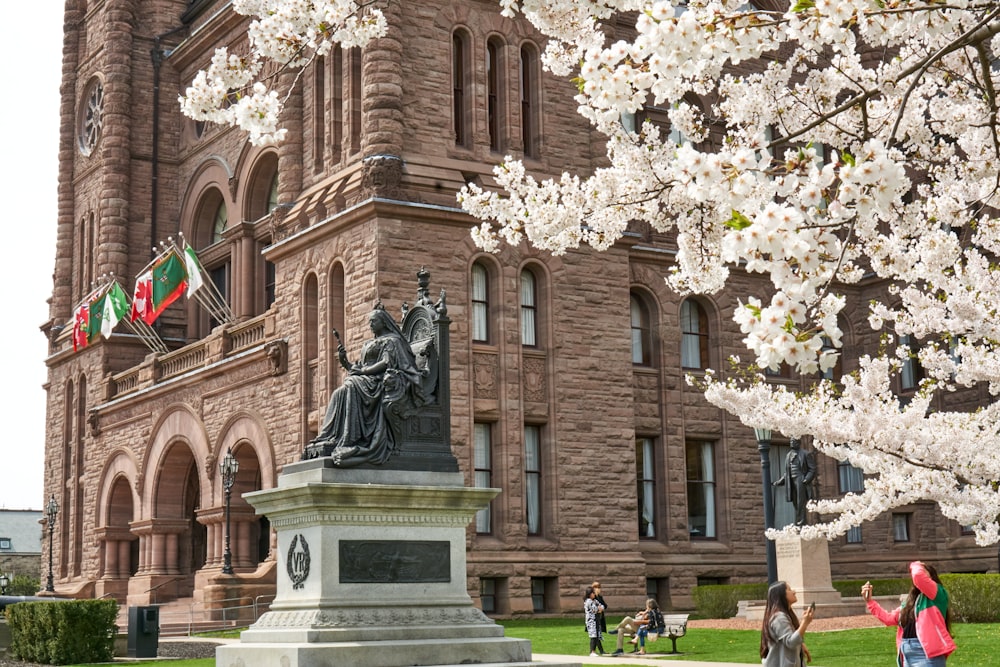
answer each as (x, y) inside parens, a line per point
(675, 627)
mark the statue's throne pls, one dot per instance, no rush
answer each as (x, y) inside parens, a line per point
(421, 420)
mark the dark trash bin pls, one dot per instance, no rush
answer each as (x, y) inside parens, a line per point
(143, 631)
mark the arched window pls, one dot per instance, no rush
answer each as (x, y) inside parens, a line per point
(354, 63)
(319, 113)
(313, 384)
(530, 100)
(272, 193)
(912, 372)
(837, 370)
(529, 309)
(219, 222)
(460, 87)
(494, 92)
(262, 187)
(480, 304)
(215, 257)
(86, 242)
(337, 102)
(694, 335)
(642, 341)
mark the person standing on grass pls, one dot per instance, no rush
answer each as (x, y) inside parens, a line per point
(591, 608)
(602, 621)
(923, 623)
(782, 635)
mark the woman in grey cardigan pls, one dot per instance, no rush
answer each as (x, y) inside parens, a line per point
(782, 634)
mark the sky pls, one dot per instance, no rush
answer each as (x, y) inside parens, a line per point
(30, 58)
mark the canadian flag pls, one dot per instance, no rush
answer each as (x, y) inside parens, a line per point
(81, 323)
(142, 299)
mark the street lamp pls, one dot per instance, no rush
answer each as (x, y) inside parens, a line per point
(764, 447)
(51, 510)
(4, 583)
(228, 468)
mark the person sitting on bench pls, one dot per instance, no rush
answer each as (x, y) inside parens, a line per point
(630, 625)
(652, 628)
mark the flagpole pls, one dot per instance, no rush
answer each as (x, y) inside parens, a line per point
(208, 295)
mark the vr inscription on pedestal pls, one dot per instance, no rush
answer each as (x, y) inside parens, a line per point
(394, 562)
(298, 561)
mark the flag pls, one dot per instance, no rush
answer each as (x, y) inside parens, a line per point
(159, 287)
(115, 305)
(169, 281)
(81, 323)
(142, 298)
(195, 279)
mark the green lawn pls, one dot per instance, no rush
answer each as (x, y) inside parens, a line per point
(978, 645)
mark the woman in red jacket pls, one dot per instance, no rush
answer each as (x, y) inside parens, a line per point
(923, 624)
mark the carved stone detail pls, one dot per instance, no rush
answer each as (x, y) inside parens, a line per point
(277, 354)
(388, 617)
(534, 379)
(381, 176)
(485, 372)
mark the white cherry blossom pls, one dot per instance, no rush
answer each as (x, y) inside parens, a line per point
(825, 144)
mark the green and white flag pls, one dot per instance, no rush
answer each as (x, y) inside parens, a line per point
(195, 279)
(115, 307)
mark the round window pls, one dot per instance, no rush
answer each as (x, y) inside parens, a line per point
(91, 117)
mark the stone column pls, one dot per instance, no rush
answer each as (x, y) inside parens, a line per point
(158, 554)
(111, 567)
(124, 559)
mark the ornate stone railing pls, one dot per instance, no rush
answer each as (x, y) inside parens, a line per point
(222, 343)
(183, 360)
(246, 334)
(122, 383)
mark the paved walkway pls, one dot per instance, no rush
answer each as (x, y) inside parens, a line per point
(629, 659)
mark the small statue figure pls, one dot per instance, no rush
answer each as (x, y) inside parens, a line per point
(800, 472)
(359, 426)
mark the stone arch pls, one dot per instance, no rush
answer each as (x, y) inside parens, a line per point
(212, 174)
(257, 167)
(249, 535)
(120, 465)
(246, 430)
(117, 508)
(178, 424)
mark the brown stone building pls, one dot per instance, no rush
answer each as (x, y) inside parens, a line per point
(568, 389)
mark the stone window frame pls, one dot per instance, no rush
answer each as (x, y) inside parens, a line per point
(90, 116)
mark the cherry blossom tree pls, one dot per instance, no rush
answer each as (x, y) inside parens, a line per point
(820, 143)
(288, 33)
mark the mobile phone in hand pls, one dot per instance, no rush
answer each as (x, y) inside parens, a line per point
(812, 607)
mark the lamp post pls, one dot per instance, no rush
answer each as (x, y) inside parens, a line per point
(51, 510)
(4, 583)
(764, 447)
(228, 468)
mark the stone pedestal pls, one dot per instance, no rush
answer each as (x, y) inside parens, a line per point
(805, 566)
(371, 573)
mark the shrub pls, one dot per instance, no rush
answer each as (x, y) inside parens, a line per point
(721, 601)
(22, 584)
(973, 598)
(62, 633)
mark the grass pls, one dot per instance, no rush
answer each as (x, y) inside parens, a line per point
(978, 645)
